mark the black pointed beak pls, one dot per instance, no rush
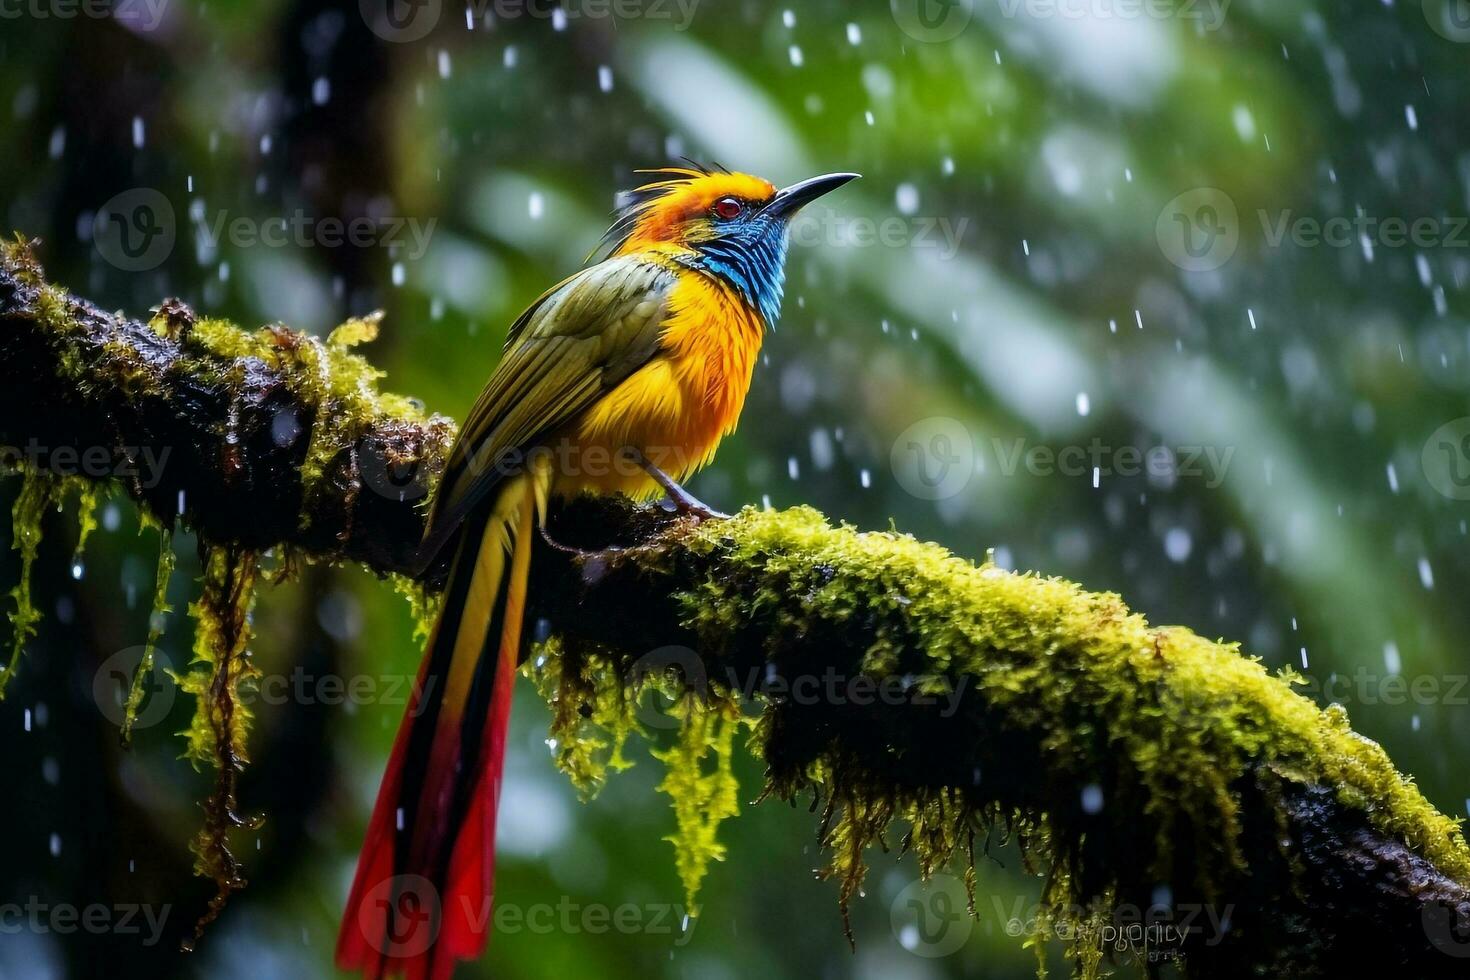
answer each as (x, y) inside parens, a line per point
(789, 200)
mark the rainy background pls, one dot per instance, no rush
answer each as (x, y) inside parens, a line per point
(1166, 298)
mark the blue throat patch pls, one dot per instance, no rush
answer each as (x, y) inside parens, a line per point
(751, 257)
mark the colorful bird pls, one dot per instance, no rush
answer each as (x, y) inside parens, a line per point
(622, 378)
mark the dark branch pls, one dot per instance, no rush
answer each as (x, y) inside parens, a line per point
(212, 426)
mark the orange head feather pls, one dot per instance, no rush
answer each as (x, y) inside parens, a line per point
(680, 209)
(728, 225)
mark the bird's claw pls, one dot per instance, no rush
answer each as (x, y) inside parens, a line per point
(693, 508)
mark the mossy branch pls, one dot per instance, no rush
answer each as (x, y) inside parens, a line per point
(260, 439)
(913, 695)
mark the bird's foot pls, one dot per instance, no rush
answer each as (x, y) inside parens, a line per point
(686, 504)
(681, 501)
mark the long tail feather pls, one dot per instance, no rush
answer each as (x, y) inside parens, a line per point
(421, 899)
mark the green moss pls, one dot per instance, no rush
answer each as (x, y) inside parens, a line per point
(17, 253)
(217, 736)
(1173, 725)
(156, 620)
(220, 662)
(338, 394)
(227, 342)
(38, 492)
(593, 715)
(357, 331)
(1189, 716)
(341, 386)
(699, 779)
(89, 497)
(596, 709)
(423, 605)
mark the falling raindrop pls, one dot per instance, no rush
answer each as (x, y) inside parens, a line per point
(906, 197)
(1391, 660)
(1178, 544)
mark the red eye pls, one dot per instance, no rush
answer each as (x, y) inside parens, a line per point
(727, 208)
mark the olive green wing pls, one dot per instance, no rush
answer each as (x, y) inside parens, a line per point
(574, 344)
